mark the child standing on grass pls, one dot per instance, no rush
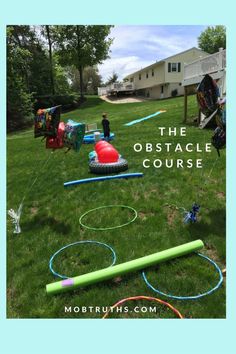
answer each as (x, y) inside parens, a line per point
(106, 127)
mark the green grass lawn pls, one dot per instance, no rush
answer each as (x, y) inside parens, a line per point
(50, 217)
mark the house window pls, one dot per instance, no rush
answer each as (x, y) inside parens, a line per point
(131, 79)
(162, 88)
(147, 75)
(152, 72)
(139, 77)
(174, 67)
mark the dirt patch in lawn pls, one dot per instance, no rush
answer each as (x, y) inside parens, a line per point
(126, 99)
(143, 216)
(220, 195)
(171, 216)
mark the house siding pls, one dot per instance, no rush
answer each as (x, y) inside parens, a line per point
(151, 86)
(183, 58)
(158, 78)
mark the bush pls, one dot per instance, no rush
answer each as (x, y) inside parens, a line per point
(67, 102)
(19, 106)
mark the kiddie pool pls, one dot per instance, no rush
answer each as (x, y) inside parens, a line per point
(90, 139)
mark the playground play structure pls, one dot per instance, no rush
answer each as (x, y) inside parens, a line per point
(105, 159)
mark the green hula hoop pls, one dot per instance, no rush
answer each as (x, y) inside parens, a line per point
(112, 227)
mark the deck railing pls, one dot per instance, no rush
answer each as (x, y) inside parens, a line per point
(207, 65)
(122, 86)
(116, 87)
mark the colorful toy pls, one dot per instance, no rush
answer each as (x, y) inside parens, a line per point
(46, 121)
(74, 134)
(105, 178)
(124, 268)
(191, 216)
(194, 297)
(58, 141)
(107, 168)
(208, 95)
(218, 139)
(90, 139)
(100, 144)
(147, 298)
(79, 243)
(15, 216)
(108, 154)
(107, 160)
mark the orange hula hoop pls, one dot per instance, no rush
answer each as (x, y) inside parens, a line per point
(148, 298)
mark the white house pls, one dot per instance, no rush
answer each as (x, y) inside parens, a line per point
(164, 78)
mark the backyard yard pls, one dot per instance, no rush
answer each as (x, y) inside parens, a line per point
(50, 217)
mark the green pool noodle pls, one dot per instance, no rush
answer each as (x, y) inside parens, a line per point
(123, 268)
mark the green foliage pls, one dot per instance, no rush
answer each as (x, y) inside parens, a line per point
(68, 102)
(82, 46)
(62, 85)
(91, 79)
(212, 39)
(19, 100)
(40, 60)
(112, 79)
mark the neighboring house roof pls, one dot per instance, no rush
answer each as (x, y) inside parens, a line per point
(164, 60)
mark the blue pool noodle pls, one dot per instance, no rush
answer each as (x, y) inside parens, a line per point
(145, 118)
(104, 178)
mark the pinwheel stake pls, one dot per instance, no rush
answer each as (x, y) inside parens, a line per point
(15, 216)
(191, 216)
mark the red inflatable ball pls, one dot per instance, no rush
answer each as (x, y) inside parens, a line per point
(108, 154)
(100, 144)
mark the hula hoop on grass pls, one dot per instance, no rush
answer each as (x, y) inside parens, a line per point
(148, 298)
(76, 243)
(111, 227)
(194, 297)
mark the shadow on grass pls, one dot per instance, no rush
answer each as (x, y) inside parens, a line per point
(216, 226)
(41, 221)
(91, 102)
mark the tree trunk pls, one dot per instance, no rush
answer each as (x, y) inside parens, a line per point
(80, 67)
(81, 82)
(50, 59)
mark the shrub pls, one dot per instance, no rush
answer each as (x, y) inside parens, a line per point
(174, 93)
(19, 106)
(67, 102)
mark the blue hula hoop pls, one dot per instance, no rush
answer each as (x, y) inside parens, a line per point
(76, 243)
(194, 297)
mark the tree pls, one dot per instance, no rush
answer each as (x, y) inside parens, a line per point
(82, 46)
(112, 79)
(19, 100)
(47, 34)
(91, 79)
(36, 71)
(212, 39)
(62, 83)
